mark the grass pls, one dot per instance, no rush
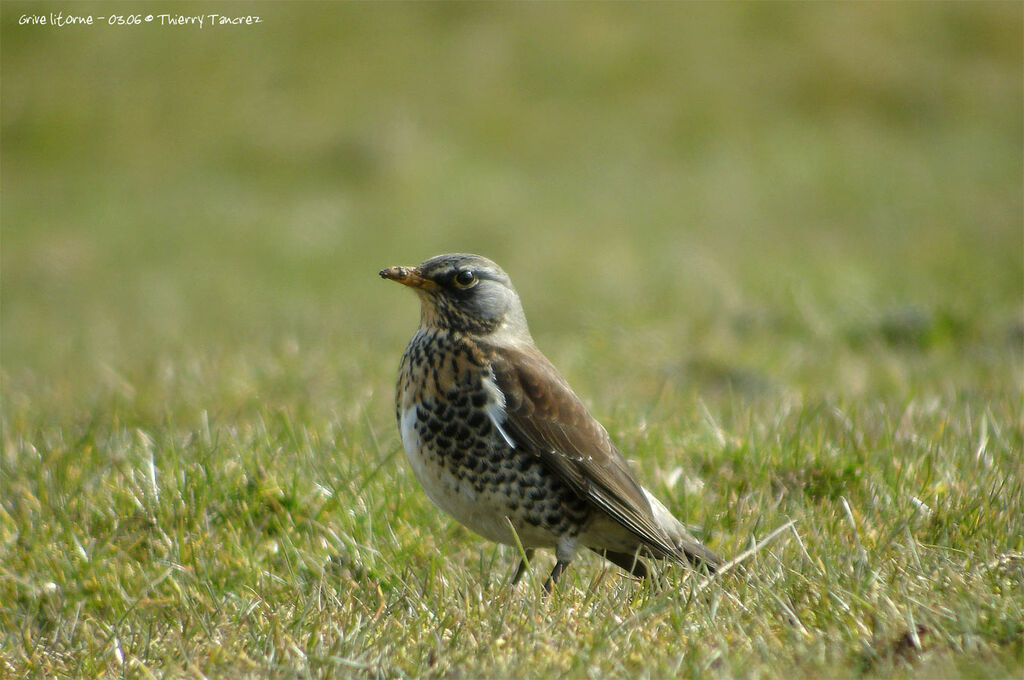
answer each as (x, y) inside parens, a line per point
(777, 248)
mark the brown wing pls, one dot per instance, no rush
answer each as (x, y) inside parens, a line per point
(544, 416)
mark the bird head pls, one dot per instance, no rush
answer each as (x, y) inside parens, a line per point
(465, 293)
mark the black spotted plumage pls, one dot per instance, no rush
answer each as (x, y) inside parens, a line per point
(496, 436)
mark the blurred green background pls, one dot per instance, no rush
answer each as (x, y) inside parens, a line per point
(821, 197)
(777, 248)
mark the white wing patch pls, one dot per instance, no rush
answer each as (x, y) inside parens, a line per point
(496, 407)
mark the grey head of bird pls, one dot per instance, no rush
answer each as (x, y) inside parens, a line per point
(466, 294)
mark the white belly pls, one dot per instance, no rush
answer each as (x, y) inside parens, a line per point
(483, 513)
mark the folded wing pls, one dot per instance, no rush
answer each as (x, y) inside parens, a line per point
(544, 416)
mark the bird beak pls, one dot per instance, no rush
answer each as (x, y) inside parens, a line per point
(408, 276)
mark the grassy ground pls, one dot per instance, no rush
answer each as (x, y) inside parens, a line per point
(777, 248)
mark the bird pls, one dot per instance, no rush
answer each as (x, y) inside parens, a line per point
(498, 439)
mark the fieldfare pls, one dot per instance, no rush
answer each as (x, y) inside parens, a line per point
(500, 441)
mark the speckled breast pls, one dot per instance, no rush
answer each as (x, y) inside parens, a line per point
(450, 413)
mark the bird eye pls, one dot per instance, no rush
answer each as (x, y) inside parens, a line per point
(465, 278)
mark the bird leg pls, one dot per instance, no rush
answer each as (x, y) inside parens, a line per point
(560, 566)
(523, 564)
